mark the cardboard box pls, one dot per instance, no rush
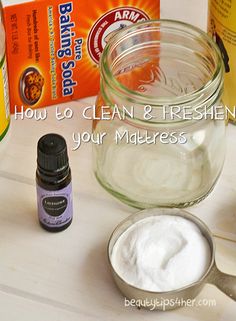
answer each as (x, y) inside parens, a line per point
(53, 47)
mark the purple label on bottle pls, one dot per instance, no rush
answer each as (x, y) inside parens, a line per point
(55, 208)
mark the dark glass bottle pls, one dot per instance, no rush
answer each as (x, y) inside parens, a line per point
(54, 188)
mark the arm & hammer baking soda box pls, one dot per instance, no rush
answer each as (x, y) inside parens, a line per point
(53, 47)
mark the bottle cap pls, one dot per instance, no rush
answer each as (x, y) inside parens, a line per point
(52, 153)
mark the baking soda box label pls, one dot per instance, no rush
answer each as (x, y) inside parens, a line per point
(54, 47)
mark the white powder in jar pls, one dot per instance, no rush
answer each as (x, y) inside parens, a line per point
(161, 253)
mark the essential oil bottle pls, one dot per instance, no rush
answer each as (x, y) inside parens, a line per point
(54, 187)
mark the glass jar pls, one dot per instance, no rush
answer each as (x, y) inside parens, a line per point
(166, 66)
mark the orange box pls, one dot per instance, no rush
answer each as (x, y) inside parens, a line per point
(53, 47)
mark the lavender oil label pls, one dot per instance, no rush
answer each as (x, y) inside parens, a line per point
(55, 207)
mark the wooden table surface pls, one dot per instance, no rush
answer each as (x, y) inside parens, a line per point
(65, 276)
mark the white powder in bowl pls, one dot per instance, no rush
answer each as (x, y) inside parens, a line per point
(161, 253)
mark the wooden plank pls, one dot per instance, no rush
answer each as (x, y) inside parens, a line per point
(70, 269)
